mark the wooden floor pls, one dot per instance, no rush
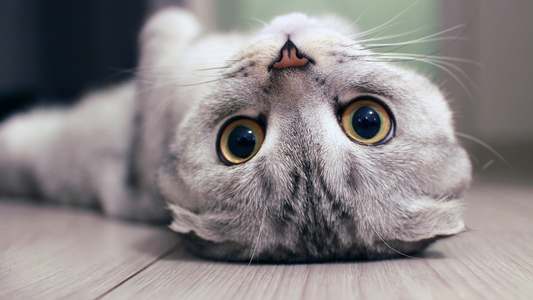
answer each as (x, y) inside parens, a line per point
(50, 252)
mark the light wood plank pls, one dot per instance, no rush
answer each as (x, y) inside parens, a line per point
(54, 252)
(492, 261)
(507, 196)
(51, 253)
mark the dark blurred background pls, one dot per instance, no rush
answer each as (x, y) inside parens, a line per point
(51, 51)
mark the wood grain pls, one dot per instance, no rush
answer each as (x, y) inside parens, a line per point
(53, 252)
(50, 253)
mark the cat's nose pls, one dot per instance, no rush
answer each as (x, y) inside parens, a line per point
(290, 57)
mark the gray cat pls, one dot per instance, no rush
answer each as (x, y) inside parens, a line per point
(291, 145)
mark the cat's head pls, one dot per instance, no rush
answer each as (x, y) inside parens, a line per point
(332, 154)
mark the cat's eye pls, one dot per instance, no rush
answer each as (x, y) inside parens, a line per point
(240, 140)
(367, 122)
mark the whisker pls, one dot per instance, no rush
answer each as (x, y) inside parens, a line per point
(412, 56)
(404, 44)
(199, 83)
(354, 22)
(382, 240)
(378, 46)
(376, 30)
(163, 104)
(258, 236)
(455, 76)
(393, 36)
(452, 42)
(451, 74)
(121, 71)
(358, 18)
(386, 23)
(430, 36)
(387, 37)
(463, 73)
(157, 84)
(434, 60)
(240, 214)
(207, 76)
(215, 68)
(437, 61)
(158, 112)
(480, 142)
(250, 17)
(485, 166)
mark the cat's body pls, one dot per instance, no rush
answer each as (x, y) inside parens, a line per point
(309, 192)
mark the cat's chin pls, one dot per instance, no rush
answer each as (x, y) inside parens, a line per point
(235, 252)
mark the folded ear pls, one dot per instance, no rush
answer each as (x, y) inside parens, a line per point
(428, 218)
(205, 226)
(170, 29)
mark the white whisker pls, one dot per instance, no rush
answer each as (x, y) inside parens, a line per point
(393, 36)
(381, 239)
(411, 57)
(258, 235)
(378, 30)
(215, 68)
(377, 46)
(480, 142)
(364, 33)
(489, 163)
(250, 17)
(427, 37)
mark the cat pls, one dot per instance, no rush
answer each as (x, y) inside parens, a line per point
(292, 144)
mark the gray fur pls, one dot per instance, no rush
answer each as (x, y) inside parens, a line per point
(309, 194)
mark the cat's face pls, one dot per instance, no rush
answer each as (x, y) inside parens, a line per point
(320, 177)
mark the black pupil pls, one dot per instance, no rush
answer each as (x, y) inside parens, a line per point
(241, 142)
(366, 122)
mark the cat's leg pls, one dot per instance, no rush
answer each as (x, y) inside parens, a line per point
(77, 155)
(25, 141)
(32, 165)
(122, 200)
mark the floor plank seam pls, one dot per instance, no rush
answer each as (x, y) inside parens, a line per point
(165, 254)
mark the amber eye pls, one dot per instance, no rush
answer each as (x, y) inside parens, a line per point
(240, 140)
(367, 122)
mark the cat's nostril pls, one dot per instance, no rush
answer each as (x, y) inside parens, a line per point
(290, 57)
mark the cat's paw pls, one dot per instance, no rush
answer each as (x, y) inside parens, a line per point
(169, 29)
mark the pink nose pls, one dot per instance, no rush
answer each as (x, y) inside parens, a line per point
(290, 57)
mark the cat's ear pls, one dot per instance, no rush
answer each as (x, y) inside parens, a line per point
(170, 29)
(428, 218)
(339, 24)
(206, 226)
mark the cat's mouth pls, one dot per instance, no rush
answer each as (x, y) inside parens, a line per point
(289, 57)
